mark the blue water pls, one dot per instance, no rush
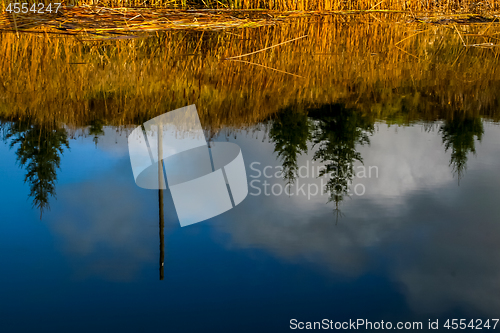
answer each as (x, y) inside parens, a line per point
(419, 244)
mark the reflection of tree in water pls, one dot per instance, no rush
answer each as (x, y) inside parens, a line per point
(39, 152)
(96, 129)
(335, 130)
(458, 135)
(290, 132)
(336, 133)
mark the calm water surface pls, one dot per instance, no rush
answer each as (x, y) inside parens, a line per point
(409, 233)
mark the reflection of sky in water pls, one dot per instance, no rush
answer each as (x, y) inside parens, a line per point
(415, 246)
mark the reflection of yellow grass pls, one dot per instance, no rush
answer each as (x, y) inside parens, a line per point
(343, 59)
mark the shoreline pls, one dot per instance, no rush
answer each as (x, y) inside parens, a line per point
(125, 22)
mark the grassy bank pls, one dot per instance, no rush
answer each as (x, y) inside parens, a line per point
(469, 6)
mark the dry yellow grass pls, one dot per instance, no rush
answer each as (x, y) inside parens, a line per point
(105, 22)
(469, 6)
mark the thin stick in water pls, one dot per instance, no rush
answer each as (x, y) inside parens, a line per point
(266, 48)
(274, 69)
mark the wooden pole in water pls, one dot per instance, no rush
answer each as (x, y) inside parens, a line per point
(161, 181)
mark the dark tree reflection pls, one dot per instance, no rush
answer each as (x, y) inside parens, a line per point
(96, 130)
(337, 132)
(39, 150)
(459, 136)
(290, 133)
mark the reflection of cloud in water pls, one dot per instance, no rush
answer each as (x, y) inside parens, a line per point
(104, 229)
(456, 263)
(114, 141)
(312, 236)
(407, 158)
(436, 241)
